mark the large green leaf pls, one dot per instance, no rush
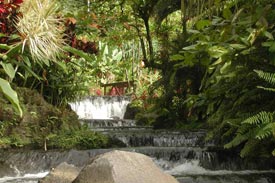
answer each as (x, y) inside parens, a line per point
(117, 55)
(201, 24)
(217, 51)
(11, 95)
(10, 71)
(79, 53)
(176, 57)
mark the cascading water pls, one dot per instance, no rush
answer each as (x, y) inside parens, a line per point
(183, 154)
(105, 107)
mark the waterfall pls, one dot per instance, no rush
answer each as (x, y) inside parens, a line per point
(183, 154)
(101, 107)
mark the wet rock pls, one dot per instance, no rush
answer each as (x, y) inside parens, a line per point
(7, 170)
(131, 111)
(123, 167)
(63, 173)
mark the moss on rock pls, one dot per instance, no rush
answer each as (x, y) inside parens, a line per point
(39, 123)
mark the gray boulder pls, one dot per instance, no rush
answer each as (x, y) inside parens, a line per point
(63, 173)
(123, 167)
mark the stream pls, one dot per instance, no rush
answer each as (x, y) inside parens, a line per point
(183, 154)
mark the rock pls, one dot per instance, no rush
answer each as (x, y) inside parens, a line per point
(63, 173)
(123, 167)
(131, 111)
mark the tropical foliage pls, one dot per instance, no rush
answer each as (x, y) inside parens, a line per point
(196, 64)
(207, 67)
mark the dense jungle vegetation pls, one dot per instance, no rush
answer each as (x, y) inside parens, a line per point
(196, 64)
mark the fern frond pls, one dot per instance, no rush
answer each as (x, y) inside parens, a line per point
(249, 147)
(244, 128)
(240, 138)
(267, 89)
(265, 131)
(245, 133)
(269, 77)
(262, 117)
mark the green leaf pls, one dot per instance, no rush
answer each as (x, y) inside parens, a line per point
(63, 66)
(5, 47)
(218, 61)
(238, 46)
(28, 69)
(272, 48)
(267, 89)
(10, 71)
(253, 36)
(79, 53)
(176, 57)
(226, 66)
(202, 24)
(14, 50)
(191, 47)
(268, 35)
(10, 94)
(267, 44)
(226, 13)
(217, 51)
(46, 62)
(117, 55)
(14, 36)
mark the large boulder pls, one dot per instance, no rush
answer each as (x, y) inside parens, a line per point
(123, 167)
(63, 173)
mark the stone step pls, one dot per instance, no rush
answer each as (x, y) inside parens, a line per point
(106, 130)
(106, 123)
(159, 138)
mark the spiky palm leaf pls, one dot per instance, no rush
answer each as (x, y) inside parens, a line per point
(40, 29)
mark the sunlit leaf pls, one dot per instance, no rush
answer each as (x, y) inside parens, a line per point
(238, 46)
(176, 57)
(10, 71)
(268, 35)
(117, 55)
(202, 24)
(218, 61)
(11, 95)
(79, 53)
(217, 51)
(4, 47)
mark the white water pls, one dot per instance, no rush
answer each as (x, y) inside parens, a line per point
(105, 108)
(193, 168)
(100, 107)
(27, 178)
(188, 168)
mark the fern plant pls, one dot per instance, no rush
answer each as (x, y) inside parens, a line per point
(257, 128)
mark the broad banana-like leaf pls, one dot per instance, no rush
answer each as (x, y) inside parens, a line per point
(11, 95)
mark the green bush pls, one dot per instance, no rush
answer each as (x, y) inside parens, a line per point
(82, 138)
(13, 141)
